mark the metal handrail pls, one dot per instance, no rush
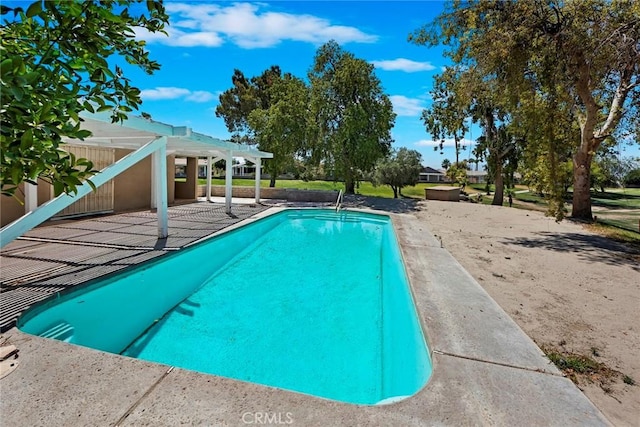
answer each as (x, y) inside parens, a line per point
(339, 201)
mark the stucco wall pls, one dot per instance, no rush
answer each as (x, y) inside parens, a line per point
(133, 186)
(449, 194)
(11, 209)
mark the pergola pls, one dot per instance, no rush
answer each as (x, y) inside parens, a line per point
(145, 137)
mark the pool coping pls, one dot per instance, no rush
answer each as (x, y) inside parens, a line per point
(486, 370)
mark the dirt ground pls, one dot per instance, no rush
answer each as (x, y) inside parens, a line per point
(569, 289)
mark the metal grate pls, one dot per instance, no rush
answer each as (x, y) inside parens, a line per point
(57, 257)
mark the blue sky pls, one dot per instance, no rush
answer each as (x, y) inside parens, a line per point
(208, 40)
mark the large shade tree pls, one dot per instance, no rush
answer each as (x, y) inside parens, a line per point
(581, 57)
(244, 96)
(281, 128)
(353, 117)
(449, 110)
(58, 60)
(270, 112)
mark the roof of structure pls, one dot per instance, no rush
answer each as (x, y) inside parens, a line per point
(136, 131)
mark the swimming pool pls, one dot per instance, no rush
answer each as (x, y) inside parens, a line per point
(312, 301)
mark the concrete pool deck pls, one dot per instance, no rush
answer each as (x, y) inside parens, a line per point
(486, 371)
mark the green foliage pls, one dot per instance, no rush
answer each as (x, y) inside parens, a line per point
(632, 179)
(55, 66)
(577, 61)
(609, 169)
(457, 173)
(281, 127)
(352, 117)
(449, 110)
(245, 95)
(399, 170)
(269, 110)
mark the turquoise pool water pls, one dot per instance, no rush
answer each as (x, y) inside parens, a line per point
(307, 300)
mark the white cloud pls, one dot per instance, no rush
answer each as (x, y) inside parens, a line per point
(403, 64)
(449, 142)
(244, 24)
(200, 96)
(176, 93)
(164, 93)
(404, 106)
(179, 38)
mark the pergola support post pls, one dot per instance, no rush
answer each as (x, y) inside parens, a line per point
(30, 197)
(258, 162)
(160, 186)
(228, 182)
(208, 178)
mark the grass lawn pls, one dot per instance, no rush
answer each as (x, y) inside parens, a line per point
(364, 188)
(621, 206)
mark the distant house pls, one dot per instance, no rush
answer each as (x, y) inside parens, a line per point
(431, 175)
(477, 177)
(240, 170)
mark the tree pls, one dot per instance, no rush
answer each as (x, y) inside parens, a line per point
(612, 168)
(457, 173)
(446, 164)
(449, 111)
(54, 67)
(632, 179)
(399, 170)
(235, 106)
(582, 57)
(352, 116)
(281, 128)
(270, 111)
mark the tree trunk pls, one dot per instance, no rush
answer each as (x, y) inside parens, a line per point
(582, 186)
(498, 196)
(395, 191)
(349, 185)
(272, 181)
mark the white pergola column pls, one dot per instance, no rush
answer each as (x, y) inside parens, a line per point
(228, 182)
(30, 197)
(208, 179)
(159, 186)
(154, 189)
(257, 162)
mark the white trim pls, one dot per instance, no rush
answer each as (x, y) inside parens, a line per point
(258, 169)
(228, 182)
(160, 184)
(208, 169)
(30, 197)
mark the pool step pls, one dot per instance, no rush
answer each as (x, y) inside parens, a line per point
(341, 217)
(62, 332)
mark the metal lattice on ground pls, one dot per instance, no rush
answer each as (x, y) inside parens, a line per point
(59, 256)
